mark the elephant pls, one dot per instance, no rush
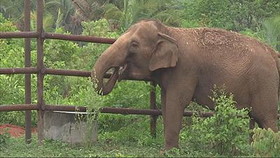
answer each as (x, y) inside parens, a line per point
(186, 63)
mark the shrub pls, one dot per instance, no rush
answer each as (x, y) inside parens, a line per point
(266, 143)
(225, 133)
(12, 86)
(3, 139)
(135, 131)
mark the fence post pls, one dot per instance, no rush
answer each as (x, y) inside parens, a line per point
(27, 61)
(153, 123)
(40, 75)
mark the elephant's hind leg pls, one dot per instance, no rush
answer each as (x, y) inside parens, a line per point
(264, 110)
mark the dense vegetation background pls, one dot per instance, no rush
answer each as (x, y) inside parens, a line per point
(110, 18)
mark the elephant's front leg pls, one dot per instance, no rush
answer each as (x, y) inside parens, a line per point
(174, 102)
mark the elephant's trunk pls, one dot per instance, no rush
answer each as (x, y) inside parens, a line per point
(108, 61)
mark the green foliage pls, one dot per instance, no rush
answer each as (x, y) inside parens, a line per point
(3, 139)
(233, 15)
(57, 52)
(122, 16)
(113, 14)
(59, 55)
(99, 28)
(225, 133)
(12, 9)
(174, 152)
(129, 94)
(6, 25)
(272, 29)
(213, 13)
(16, 147)
(190, 23)
(127, 133)
(168, 11)
(251, 33)
(91, 51)
(69, 55)
(12, 86)
(266, 143)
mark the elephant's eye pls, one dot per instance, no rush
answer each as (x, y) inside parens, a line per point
(134, 44)
(133, 47)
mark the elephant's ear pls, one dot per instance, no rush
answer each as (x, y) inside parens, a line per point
(165, 54)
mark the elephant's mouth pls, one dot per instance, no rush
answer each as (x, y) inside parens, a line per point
(110, 78)
(110, 75)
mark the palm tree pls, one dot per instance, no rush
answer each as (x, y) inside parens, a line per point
(119, 13)
(87, 10)
(13, 10)
(56, 12)
(61, 10)
(168, 11)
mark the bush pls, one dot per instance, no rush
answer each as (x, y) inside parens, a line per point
(135, 131)
(129, 94)
(225, 133)
(12, 86)
(266, 143)
(232, 15)
(3, 139)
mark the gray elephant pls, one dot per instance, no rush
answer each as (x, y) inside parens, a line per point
(186, 63)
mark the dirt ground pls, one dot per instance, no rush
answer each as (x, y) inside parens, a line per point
(13, 130)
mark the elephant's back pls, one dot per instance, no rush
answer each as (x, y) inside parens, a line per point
(231, 49)
(220, 42)
(224, 52)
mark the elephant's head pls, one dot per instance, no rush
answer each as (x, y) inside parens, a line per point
(144, 48)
